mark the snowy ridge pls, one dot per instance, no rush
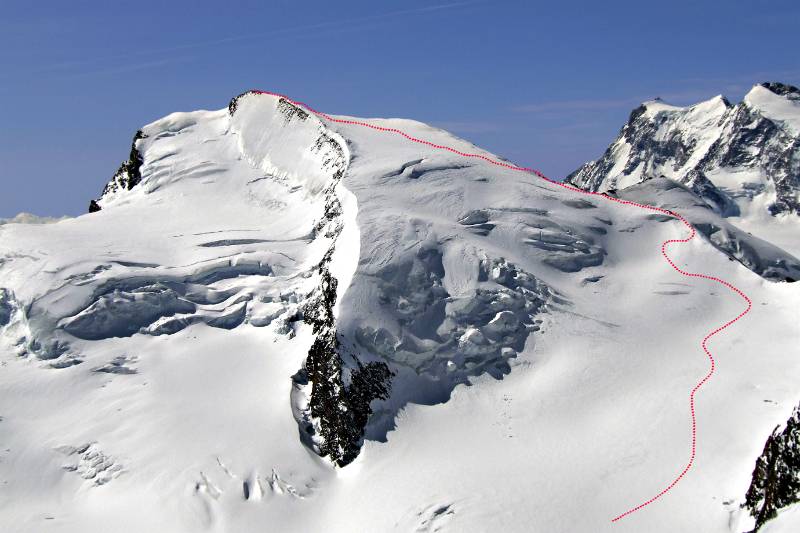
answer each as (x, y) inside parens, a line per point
(286, 274)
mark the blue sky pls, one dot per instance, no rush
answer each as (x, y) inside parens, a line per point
(545, 84)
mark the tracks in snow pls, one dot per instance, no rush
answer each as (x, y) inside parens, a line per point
(664, 246)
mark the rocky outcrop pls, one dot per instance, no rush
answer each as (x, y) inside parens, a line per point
(339, 386)
(339, 410)
(6, 307)
(342, 386)
(783, 89)
(776, 477)
(127, 176)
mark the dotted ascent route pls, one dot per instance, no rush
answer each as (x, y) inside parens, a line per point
(692, 233)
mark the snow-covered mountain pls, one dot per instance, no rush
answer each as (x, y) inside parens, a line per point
(273, 321)
(742, 160)
(723, 152)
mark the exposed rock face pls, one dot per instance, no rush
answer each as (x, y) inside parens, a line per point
(782, 89)
(127, 176)
(757, 138)
(341, 386)
(339, 411)
(776, 478)
(6, 307)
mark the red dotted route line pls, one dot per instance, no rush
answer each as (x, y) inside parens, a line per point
(664, 245)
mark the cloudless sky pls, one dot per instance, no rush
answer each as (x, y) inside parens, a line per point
(545, 84)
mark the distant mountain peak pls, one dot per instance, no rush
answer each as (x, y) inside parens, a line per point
(728, 154)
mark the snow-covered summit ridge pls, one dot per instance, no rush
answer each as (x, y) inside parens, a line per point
(777, 102)
(738, 158)
(281, 141)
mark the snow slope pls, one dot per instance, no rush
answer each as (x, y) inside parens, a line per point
(183, 360)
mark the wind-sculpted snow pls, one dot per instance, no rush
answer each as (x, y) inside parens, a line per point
(121, 314)
(288, 144)
(572, 251)
(216, 294)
